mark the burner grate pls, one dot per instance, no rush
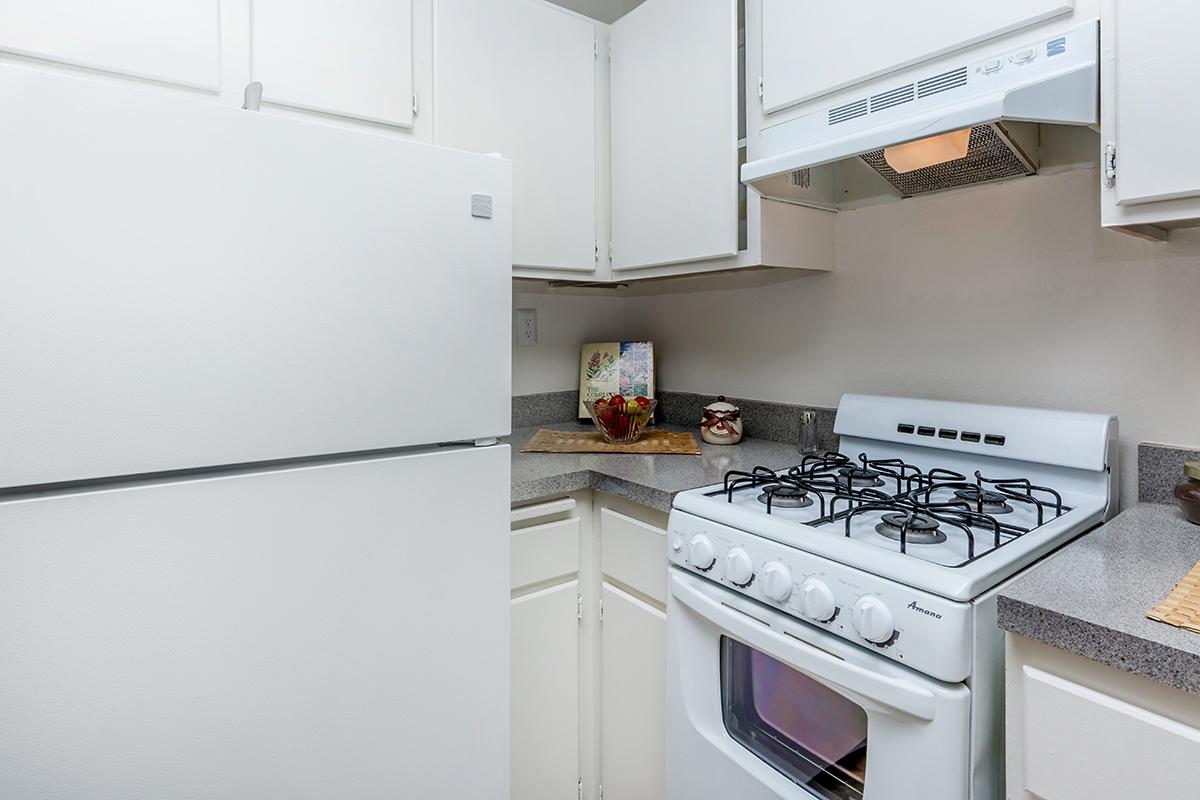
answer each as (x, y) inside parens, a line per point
(914, 506)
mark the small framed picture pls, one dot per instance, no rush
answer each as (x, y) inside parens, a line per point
(606, 368)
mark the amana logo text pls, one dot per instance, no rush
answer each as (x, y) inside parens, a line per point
(913, 605)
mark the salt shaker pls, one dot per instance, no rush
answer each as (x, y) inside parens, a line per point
(807, 441)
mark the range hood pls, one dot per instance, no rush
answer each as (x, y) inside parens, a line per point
(976, 119)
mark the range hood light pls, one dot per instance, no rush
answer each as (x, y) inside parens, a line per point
(928, 152)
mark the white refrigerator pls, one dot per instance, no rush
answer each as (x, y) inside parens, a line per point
(253, 515)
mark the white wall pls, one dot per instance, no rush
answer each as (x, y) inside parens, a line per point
(567, 318)
(1009, 294)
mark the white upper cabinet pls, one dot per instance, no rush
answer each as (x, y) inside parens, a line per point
(1148, 125)
(518, 77)
(174, 42)
(674, 133)
(351, 58)
(813, 47)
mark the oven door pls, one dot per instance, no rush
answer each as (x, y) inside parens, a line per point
(762, 706)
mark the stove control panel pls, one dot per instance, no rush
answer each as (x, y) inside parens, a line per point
(927, 632)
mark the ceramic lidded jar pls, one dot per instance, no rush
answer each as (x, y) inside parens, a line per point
(1187, 491)
(722, 423)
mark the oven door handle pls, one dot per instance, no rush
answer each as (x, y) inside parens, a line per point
(916, 701)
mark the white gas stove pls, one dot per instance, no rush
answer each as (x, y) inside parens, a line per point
(891, 550)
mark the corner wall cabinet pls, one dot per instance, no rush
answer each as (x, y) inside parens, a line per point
(683, 87)
(589, 649)
(520, 78)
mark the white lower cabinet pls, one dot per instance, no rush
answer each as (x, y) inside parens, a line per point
(633, 647)
(588, 649)
(545, 693)
(633, 675)
(547, 686)
(1079, 730)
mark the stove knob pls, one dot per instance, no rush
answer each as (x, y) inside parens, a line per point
(816, 600)
(700, 553)
(777, 581)
(739, 569)
(873, 620)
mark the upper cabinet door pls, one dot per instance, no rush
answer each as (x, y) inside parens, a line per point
(1150, 56)
(174, 42)
(518, 77)
(352, 58)
(674, 133)
(813, 47)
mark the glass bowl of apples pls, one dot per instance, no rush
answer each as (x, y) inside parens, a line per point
(621, 420)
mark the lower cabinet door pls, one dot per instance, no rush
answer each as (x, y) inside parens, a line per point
(634, 644)
(545, 694)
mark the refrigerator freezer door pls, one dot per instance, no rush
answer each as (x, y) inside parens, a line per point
(320, 632)
(187, 284)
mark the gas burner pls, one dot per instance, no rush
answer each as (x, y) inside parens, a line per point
(859, 477)
(993, 502)
(785, 497)
(920, 529)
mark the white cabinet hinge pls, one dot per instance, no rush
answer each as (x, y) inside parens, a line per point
(761, 89)
(601, 797)
(1110, 165)
(579, 607)
(596, 47)
(416, 104)
(579, 793)
(610, 252)
(602, 609)
(596, 246)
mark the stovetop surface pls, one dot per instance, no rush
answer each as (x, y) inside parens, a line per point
(944, 522)
(938, 515)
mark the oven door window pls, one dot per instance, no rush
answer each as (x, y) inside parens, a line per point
(810, 733)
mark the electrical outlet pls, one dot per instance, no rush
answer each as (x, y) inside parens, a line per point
(526, 327)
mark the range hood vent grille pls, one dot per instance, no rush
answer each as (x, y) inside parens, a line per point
(895, 97)
(942, 83)
(991, 156)
(848, 112)
(926, 87)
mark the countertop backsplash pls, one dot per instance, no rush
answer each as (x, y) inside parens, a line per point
(1160, 467)
(772, 422)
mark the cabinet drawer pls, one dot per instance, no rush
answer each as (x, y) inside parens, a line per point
(634, 553)
(1080, 743)
(544, 552)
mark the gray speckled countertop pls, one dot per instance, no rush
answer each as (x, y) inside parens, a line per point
(1092, 596)
(649, 480)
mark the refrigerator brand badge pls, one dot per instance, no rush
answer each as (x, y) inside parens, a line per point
(481, 206)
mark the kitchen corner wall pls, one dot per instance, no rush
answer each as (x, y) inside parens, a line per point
(1008, 294)
(567, 318)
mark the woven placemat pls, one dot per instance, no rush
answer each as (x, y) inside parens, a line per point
(652, 442)
(1182, 606)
